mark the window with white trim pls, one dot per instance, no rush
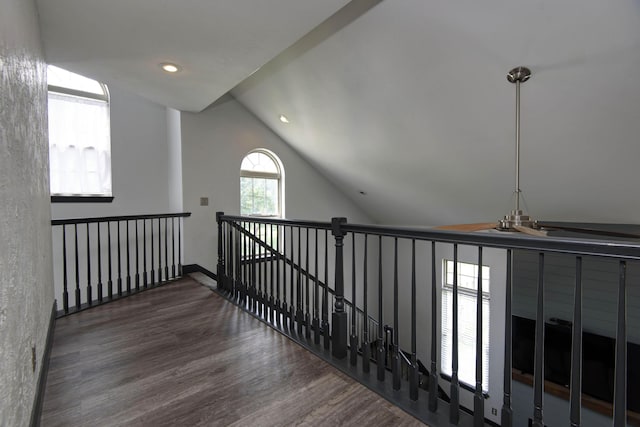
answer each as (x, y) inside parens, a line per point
(467, 297)
(79, 135)
(261, 179)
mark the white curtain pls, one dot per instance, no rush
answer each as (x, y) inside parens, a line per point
(79, 142)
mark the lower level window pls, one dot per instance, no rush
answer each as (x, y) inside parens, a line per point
(467, 296)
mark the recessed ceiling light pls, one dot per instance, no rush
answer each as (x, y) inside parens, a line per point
(283, 118)
(170, 68)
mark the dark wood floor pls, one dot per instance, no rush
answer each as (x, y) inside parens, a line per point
(181, 355)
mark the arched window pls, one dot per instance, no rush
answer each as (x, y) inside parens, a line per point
(261, 184)
(79, 136)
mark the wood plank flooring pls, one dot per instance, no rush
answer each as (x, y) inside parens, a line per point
(181, 355)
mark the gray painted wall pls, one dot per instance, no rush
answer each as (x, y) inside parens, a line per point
(214, 142)
(26, 295)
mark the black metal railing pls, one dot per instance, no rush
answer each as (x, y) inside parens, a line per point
(97, 260)
(273, 268)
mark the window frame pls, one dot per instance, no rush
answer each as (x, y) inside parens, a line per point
(472, 293)
(279, 177)
(104, 97)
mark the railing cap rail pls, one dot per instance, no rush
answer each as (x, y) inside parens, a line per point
(117, 218)
(503, 240)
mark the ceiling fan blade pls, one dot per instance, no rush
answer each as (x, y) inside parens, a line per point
(530, 231)
(468, 227)
(610, 230)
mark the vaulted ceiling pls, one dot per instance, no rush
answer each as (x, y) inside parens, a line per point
(404, 100)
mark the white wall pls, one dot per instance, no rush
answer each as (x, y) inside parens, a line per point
(145, 161)
(26, 295)
(214, 143)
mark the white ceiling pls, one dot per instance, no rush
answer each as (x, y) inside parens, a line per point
(410, 104)
(406, 100)
(217, 42)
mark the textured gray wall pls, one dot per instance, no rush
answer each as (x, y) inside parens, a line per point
(26, 292)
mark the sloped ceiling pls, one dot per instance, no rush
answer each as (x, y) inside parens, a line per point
(410, 104)
(404, 100)
(218, 43)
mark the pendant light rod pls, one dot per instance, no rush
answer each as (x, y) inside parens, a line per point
(518, 75)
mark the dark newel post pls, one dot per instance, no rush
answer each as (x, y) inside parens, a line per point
(339, 317)
(433, 378)
(507, 413)
(395, 356)
(220, 266)
(366, 350)
(620, 383)
(576, 350)
(478, 399)
(538, 368)
(454, 406)
(353, 339)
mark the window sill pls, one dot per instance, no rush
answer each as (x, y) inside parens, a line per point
(81, 199)
(464, 385)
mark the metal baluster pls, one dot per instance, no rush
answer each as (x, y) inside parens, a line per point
(159, 251)
(238, 264)
(278, 306)
(166, 251)
(454, 406)
(137, 259)
(173, 247)
(145, 283)
(246, 265)
(620, 391)
(366, 350)
(292, 309)
(272, 262)
(478, 399)
(316, 296)
(78, 303)
(89, 296)
(153, 268)
(65, 293)
(263, 271)
(128, 262)
(538, 378)
(413, 375)
(307, 316)
(507, 412)
(299, 316)
(119, 263)
(325, 302)
(285, 308)
(576, 349)
(180, 247)
(109, 281)
(99, 266)
(353, 342)
(260, 264)
(254, 279)
(380, 359)
(433, 376)
(395, 357)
